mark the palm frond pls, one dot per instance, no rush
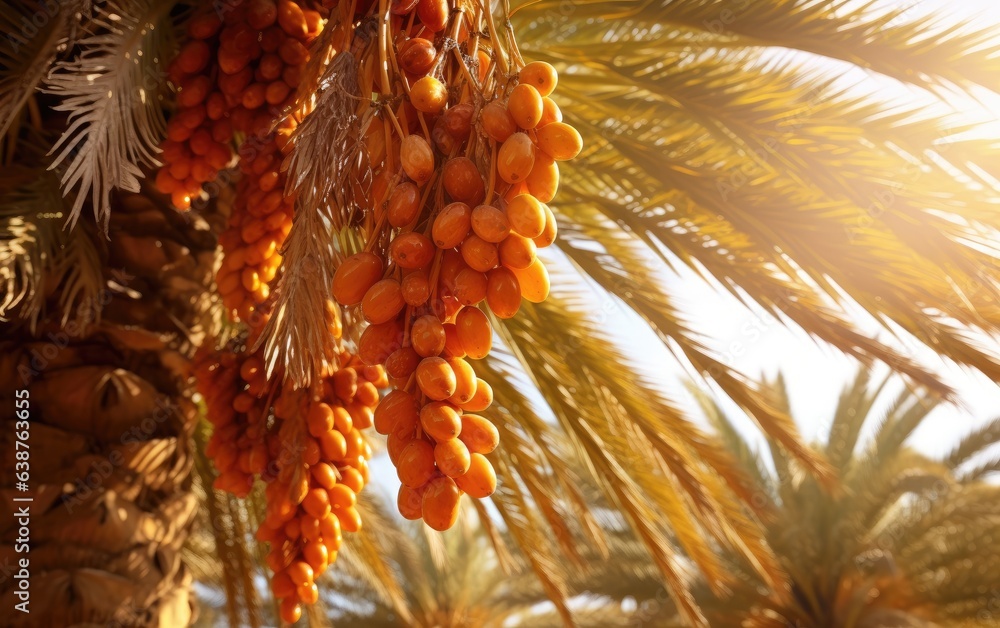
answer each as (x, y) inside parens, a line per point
(366, 556)
(777, 181)
(112, 91)
(903, 416)
(572, 385)
(541, 456)
(903, 525)
(323, 149)
(525, 528)
(221, 551)
(36, 254)
(980, 471)
(973, 443)
(619, 268)
(296, 337)
(28, 49)
(327, 142)
(446, 580)
(925, 51)
(853, 407)
(750, 460)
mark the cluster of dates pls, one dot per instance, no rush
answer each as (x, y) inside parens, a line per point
(236, 75)
(305, 445)
(455, 212)
(462, 218)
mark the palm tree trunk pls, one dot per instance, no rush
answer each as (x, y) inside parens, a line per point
(111, 419)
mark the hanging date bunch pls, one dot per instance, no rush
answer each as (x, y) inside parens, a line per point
(239, 67)
(306, 445)
(468, 143)
(237, 77)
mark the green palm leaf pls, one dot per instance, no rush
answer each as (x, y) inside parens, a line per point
(904, 526)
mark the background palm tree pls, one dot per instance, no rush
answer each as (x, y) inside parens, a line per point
(455, 580)
(399, 573)
(762, 172)
(451, 579)
(904, 541)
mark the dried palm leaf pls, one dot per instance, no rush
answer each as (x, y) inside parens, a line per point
(112, 90)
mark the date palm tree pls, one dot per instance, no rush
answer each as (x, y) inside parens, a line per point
(100, 341)
(457, 579)
(747, 141)
(904, 541)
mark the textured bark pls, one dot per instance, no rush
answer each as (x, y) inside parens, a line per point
(110, 435)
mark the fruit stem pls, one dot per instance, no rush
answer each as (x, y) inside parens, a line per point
(409, 24)
(350, 13)
(407, 325)
(399, 73)
(461, 63)
(511, 40)
(510, 14)
(473, 40)
(495, 38)
(423, 125)
(493, 174)
(384, 215)
(423, 201)
(383, 42)
(435, 272)
(389, 156)
(459, 15)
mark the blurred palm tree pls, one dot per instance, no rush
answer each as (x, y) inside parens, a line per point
(905, 542)
(450, 580)
(750, 142)
(908, 541)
